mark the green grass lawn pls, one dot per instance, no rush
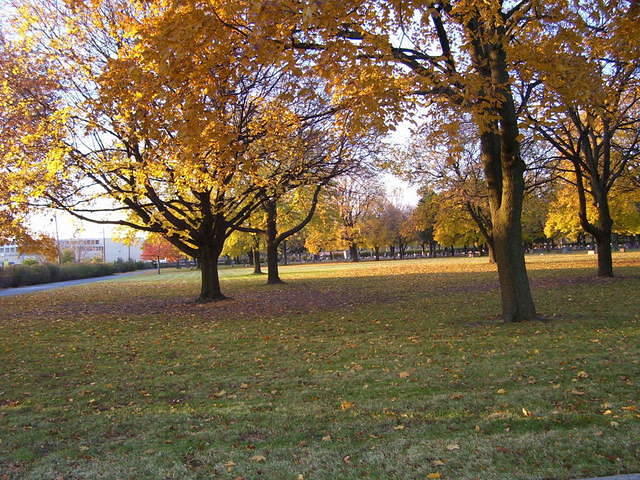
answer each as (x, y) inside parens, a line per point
(389, 370)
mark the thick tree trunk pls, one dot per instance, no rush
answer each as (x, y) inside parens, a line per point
(517, 302)
(376, 251)
(273, 274)
(506, 208)
(504, 173)
(210, 288)
(353, 252)
(491, 252)
(605, 262)
(603, 235)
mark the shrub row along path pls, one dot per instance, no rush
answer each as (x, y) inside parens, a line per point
(10, 292)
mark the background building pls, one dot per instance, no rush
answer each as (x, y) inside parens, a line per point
(83, 249)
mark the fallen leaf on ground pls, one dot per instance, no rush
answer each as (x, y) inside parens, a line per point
(345, 405)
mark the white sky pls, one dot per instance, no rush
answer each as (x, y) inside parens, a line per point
(68, 226)
(400, 192)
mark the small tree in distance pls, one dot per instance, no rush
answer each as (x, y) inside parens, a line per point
(42, 245)
(156, 248)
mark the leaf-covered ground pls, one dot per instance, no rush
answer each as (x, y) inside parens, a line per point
(390, 370)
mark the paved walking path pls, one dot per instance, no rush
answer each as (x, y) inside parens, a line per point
(10, 292)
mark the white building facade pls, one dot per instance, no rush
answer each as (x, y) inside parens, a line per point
(84, 250)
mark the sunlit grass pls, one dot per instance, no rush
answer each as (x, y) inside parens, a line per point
(376, 370)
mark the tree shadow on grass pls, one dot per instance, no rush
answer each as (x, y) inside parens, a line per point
(296, 297)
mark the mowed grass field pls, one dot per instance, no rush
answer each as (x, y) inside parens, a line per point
(379, 370)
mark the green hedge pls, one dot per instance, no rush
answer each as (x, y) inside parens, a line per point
(19, 275)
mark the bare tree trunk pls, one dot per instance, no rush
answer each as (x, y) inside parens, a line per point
(603, 235)
(273, 274)
(601, 231)
(504, 171)
(255, 256)
(490, 250)
(210, 289)
(257, 268)
(273, 239)
(353, 252)
(605, 261)
(517, 302)
(285, 260)
(603, 238)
